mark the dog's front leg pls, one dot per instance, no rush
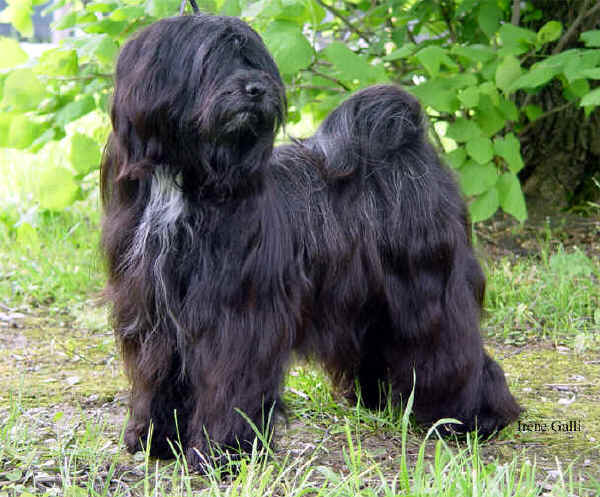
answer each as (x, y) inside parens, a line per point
(139, 405)
(236, 389)
(148, 390)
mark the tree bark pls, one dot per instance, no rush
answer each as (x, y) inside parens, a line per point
(562, 150)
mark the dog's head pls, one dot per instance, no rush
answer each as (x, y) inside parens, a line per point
(193, 81)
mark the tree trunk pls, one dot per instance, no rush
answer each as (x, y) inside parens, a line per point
(562, 150)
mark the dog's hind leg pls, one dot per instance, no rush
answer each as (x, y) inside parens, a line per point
(435, 316)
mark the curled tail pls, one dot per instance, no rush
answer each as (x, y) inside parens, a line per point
(369, 130)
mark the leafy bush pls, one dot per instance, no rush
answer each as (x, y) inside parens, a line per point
(473, 69)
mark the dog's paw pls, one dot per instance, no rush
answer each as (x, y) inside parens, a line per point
(135, 433)
(222, 463)
(199, 462)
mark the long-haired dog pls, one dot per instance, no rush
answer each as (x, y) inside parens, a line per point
(225, 256)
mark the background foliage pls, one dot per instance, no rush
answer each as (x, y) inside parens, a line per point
(478, 66)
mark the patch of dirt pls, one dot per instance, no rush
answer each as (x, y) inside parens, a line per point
(545, 229)
(45, 361)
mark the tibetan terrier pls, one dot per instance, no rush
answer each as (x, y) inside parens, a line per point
(225, 255)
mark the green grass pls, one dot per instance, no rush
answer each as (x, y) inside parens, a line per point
(74, 456)
(49, 260)
(555, 296)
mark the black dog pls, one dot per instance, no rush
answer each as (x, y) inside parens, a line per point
(225, 256)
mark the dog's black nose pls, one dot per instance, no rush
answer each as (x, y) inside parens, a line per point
(255, 89)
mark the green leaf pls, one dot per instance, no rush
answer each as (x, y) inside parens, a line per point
(294, 11)
(474, 53)
(432, 57)
(480, 149)
(106, 50)
(465, 6)
(85, 154)
(433, 94)
(86, 17)
(484, 206)
(12, 53)
(322, 108)
(533, 112)
(591, 99)
(128, 13)
(469, 97)
(509, 148)
(488, 117)
(440, 93)
(58, 62)
(511, 197)
(591, 38)
(14, 475)
(5, 120)
(507, 72)
(490, 90)
(289, 47)
(23, 131)
(74, 110)
(560, 59)
(23, 90)
(48, 135)
(300, 12)
(457, 81)
(583, 61)
(576, 89)
(549, 32)
(488, 70)
(477, 178)
(401, 52)
(537, 76)
(351, 66)
(456, 158)
(162, 8)
(231, 8)
(509, 109)
(102, 7)
(516, 40)
(107, 26)
(58, 188)
(489, 18)
(463, 130)
(591, 73)
(254, 9)
(67, 21)
(18, 13)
